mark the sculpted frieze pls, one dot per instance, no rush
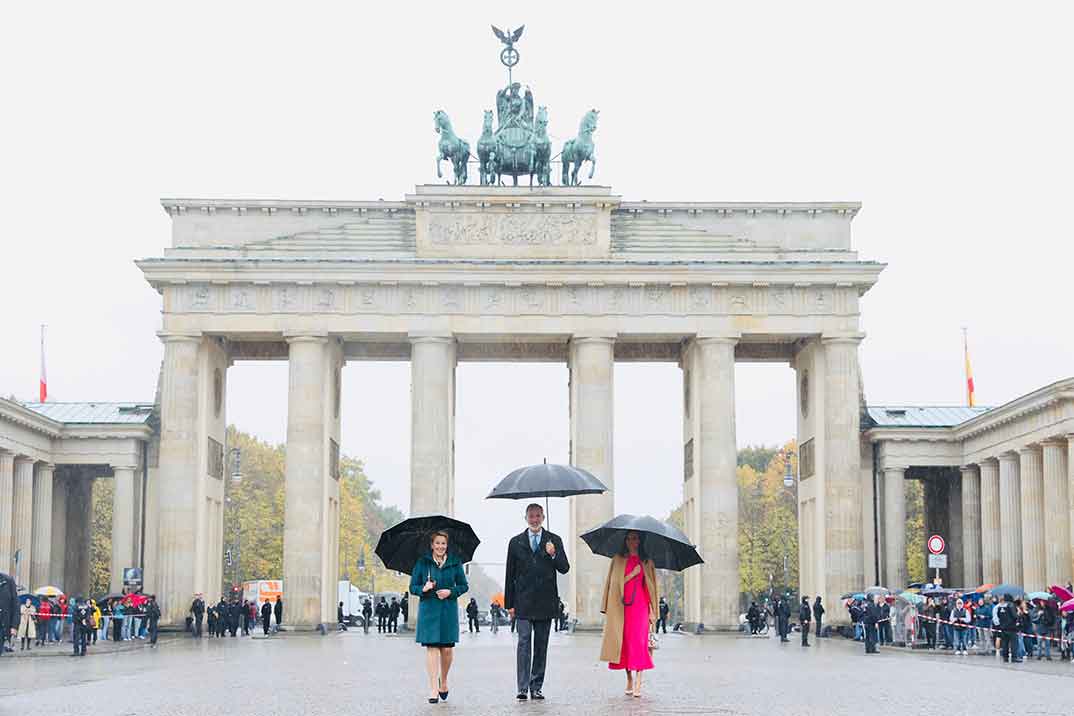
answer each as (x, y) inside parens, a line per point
(513, 229)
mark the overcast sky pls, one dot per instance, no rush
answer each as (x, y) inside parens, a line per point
(951, 122)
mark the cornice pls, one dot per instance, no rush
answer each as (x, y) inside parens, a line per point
(19, 414)
(1040, 399)
(785, 209)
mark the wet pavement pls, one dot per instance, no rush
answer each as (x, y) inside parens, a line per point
(353, 673)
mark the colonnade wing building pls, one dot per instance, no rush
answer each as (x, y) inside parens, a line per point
(556, 274)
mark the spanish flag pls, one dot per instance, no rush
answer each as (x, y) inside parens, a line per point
(970, 399)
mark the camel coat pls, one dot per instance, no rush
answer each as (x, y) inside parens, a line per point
(27, 628)
(611, 605)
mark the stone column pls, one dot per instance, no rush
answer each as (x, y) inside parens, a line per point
(311, 480)
(1056, 513)
(1032, 497)
(712, 596)
(41, 566)
(432, 421)
(971, 526)
(7, 499)
(58, 571)
(180, 472)
(1069, 566)
(844, 551)
(79, 532)
(22, 520)
(592, 369)
(991, 552)
(895, 528)
(1010, 518)
(122, 524)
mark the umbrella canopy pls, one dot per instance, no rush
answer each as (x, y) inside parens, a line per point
(1043, 596)
(400, 547)
(1067, 606)
(911, 597)
(665, 544)
(547, 480)
(1062, 593)
(135, 600)
(108, 597)
(48, 591)
(873, 591)
(984, 588)
(31, 598)
(1002, 590)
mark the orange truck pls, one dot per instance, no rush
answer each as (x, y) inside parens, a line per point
(262, 590)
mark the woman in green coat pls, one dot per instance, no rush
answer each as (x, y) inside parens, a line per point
(438, 580)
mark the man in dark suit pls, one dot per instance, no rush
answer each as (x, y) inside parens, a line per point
(531, 597)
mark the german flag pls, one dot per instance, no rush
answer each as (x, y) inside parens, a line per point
(970, 398)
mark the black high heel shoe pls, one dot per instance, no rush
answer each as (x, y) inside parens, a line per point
(443, 694)
(434, 700)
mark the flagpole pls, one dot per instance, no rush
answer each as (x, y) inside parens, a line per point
(970, 398)
(43, 383)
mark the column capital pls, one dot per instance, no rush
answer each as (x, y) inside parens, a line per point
(713, 339)
(1008, 456)
(1055, 441)
(971, 469)
(603, 338)
(1031, 449)
(24, 459)
(177, 337)
(894, 468)
(305, 337)
(44, 465)
(432, 337)
(125, 467)
(850, 338)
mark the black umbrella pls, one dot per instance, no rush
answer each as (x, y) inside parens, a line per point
(546, 481)
(665, 544)
(400, 546)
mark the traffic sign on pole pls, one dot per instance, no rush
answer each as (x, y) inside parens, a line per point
(936, 544)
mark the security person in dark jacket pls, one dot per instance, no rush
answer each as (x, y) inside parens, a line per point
(382, 615)
(804, 614)
(9, 610)
(152, 613)
(266, 616)
(873, 615)
(367, 615)
(471, 616)
(197, 609)
(531, 597)
(393, 616)
(664, 610)
(818, 613)
(783, 619)
(80, 624)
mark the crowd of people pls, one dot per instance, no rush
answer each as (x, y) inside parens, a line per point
(48, 621)
(230, 616)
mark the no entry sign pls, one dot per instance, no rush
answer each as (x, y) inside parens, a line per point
(936, 544)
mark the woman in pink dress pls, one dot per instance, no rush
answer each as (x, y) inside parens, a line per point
(629, 606)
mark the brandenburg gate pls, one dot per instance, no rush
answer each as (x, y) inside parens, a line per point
(503, 271)
(499, 273)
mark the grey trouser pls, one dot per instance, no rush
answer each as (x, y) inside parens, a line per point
(531, 659)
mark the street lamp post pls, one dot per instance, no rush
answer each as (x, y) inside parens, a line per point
(234, 455)
(789, 481)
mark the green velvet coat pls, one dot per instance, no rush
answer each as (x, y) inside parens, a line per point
(438, 619)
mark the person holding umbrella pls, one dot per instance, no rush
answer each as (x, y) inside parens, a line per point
(438, 580)
(629, 606)
(531, 596)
